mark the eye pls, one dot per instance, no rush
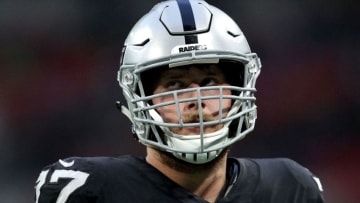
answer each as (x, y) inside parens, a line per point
(209, 82)
(174, 85)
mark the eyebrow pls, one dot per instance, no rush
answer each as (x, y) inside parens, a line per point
(170, 74)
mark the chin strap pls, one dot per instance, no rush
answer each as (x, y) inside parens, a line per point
(123, 110)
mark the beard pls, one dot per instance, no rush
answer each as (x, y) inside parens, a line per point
(189, 168)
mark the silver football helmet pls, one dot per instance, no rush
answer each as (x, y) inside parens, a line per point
(176, 33)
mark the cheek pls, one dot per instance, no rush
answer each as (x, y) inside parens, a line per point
(168, 112)
(225, 103)
(214, 105)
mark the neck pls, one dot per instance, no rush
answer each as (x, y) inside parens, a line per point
(204, 180)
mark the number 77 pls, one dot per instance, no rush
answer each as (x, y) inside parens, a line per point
(78, 179)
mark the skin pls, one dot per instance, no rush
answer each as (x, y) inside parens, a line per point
(204, 180)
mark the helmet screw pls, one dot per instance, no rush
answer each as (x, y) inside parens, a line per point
(252, 67)
(140, 129)
(128, 78)
(252, 116)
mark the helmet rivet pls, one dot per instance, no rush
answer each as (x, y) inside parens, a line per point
(128, 79)
(252, 116)
(140, 129)
(252, 67)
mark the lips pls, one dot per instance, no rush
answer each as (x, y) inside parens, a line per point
(197, 130)
(192, 130)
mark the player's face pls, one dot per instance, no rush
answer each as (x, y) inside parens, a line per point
(192, 77)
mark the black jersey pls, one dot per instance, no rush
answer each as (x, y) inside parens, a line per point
(130, 179)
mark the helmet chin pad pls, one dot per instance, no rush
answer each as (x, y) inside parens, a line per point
(198, 158)
(196, 143)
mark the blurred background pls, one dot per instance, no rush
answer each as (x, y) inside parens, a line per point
(58, 66)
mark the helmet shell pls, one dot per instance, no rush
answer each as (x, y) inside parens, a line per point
(165, 33)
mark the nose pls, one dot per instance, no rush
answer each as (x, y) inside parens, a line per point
(194, 104)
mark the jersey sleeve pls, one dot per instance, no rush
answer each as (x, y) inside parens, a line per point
(72, 180)
(284, 180)
(309, 183)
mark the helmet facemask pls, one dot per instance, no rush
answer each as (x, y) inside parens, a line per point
(196, 148)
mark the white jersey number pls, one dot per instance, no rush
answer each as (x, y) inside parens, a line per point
(78, 179)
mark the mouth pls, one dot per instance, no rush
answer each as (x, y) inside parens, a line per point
(194, 118)
(196, 130)
(192, 130)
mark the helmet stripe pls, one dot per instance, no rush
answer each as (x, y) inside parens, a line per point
(188, 20)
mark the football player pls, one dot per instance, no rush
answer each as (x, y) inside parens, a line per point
(188, 76)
